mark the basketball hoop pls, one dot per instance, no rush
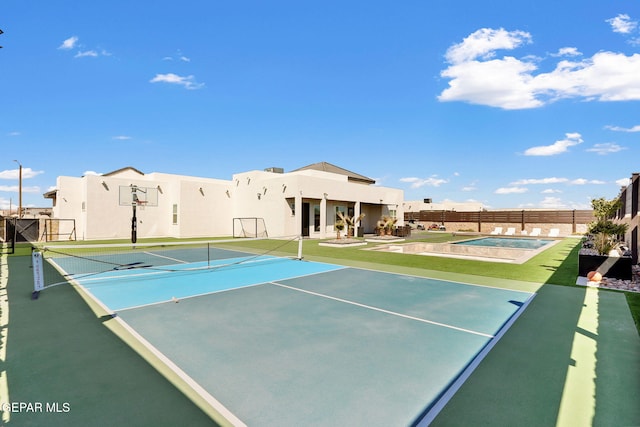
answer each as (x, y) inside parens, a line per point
(141, 204)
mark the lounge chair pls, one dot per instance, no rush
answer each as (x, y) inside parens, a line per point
(523, 232)
(497, 230)
(535, 232)
(554, 232)
(511, 231)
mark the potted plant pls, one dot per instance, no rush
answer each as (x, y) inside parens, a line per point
(351, 222)
(389, 224)
(339, 226)
(602, 250)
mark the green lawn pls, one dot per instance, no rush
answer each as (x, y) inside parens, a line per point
(62, 348)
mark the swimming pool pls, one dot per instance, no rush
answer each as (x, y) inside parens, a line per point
(494, 249)
(506, 242)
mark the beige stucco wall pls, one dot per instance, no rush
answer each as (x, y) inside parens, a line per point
(206, 206)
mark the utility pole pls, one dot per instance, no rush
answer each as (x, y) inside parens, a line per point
(19, 189)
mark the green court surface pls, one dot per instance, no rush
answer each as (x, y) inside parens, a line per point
(571, 358)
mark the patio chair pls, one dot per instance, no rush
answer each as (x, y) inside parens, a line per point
(497, 230)
(535, 232)
(554, 232)
(511, 231)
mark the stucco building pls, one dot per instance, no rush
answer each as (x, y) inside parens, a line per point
(300, 202)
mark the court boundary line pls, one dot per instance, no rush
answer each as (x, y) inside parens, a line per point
(166, 257)
(381, 310)
(186, 378)
(442, 280)
(432, 411)
(188, 381)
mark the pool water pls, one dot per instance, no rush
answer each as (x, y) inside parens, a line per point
(504, 242)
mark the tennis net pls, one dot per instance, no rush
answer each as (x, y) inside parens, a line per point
(83, 262)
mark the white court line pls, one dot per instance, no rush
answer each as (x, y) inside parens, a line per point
(393, 313)
(166, 257)
(442, 401)
(217, 291)
(186, 378)
(169, 269)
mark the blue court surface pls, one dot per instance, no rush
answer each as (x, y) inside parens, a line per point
(289, 343)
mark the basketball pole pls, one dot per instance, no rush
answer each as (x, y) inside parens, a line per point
(134, 224)
(134, 204)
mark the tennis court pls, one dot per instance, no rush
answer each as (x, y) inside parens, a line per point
(274, 341)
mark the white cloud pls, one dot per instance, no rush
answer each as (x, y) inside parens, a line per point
(15, 173)
(551, 191)
(72, 43)
(623, 182)
(16, 188)
(88, 173)
(503, 83)
(583, 181)
(188, 82)
(421, 182)
(552, 180)
(86, 53)
(567, 51)
(606, 76)
(476, 75)
(635, 128)
(69, 43)
(511, 190)
(483, 44)
(179, 56)
(622, 24)
(558, 147)
(552, 203)
(121, 137)
(31, 189)
(606, 148)
(14, 133)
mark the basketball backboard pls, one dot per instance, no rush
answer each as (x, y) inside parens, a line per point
(133, 194)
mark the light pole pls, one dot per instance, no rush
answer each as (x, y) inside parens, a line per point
(19, 189)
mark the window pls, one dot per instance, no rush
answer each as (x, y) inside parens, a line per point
(175, 214)
(340, 209)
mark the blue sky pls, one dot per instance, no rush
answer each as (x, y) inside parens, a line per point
(509, 104)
